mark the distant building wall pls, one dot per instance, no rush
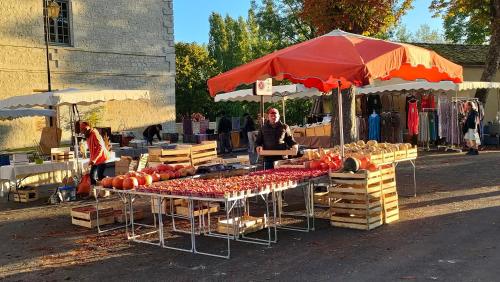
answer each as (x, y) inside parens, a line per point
(119, 44)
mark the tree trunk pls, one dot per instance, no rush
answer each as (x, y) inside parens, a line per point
(493, 57)
(349, 115)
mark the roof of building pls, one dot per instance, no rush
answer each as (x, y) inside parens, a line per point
(458, 53)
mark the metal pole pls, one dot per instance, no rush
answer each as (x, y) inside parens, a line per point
(341, 122)
(262, 109)
(46, 28)
(284, 112)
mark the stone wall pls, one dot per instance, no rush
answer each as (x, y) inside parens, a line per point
(119, 44)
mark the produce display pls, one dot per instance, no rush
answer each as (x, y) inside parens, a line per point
(227, 187)
(147, 176)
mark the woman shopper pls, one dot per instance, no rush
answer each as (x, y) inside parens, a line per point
(470, 129)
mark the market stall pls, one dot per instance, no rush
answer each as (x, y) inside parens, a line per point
(439, 108)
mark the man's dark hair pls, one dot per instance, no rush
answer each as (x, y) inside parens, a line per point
(159, 127)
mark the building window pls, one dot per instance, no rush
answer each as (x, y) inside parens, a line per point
(59, 29)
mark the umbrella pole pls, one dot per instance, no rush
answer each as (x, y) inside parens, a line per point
(262, 109)
(341, 122)
(284, 112)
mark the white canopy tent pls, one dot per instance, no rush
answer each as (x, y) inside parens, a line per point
(280, 93)
(72, 96)
(425, 85)
(25, 112)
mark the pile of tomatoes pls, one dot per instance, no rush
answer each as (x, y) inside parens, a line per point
(226, 187)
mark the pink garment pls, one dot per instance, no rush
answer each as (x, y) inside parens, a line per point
(412, 118)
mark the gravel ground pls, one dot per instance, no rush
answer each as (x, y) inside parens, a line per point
(449, 232)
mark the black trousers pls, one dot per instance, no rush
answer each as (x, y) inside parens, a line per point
(225, 142)
(97, 173)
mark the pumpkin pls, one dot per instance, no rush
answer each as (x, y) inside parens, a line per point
(148, 179)
(372, 167)
(130, 183)
(364, 162)
(140, 179)
(164, 176)
(107, 182)
(315, 165)
(156, 177)
(118, 182)
(324, 166)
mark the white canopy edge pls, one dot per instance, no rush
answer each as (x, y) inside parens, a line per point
(292, 91)
(425, 85)
(72, 96)
(22, 112)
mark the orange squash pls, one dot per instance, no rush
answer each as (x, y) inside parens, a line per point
(107, 182)
(118, 182)
(148, 179)
(130, 183)
(156, 177)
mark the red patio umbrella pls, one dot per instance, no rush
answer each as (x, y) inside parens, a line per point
(341, 59)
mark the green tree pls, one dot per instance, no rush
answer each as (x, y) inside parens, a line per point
(218, 43)
(425, 34)
(193, 67)
(473, 22)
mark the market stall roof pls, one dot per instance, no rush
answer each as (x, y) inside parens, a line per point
(426, 85)
(292, 91)
(337, 56)
(72, 96)
(22, 112)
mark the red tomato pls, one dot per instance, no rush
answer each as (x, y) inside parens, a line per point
(324, 166)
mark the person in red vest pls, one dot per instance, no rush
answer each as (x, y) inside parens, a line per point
(98, 152)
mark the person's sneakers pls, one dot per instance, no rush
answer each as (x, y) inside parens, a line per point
(475, 152)
(470, 152)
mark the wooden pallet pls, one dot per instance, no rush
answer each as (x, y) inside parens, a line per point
(204, 152)
(26, 196)
(86, 216)
(247, 224)
(203, 210)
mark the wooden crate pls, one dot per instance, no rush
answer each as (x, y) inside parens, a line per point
(62, 156)
(388, 157)
(399, 155)
(376, 158)
(86, 216)
(179, 155)
(200, 210)
(204, 152)
(245, 225)
(321, 198)
(165, 205)
(26, 196)
(412, 153)
(120, 217)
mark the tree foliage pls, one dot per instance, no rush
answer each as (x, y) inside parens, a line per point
(367, 17)
(473, 22)
(465, 21)
(424, 34)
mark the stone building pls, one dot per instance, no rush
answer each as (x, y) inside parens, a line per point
(94, 44)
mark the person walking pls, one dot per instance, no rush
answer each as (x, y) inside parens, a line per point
(224, 128)
(98, 152)
(470, 129)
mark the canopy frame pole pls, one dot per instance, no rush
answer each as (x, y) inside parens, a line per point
(341, 120)
(283, 106)
(262, 109)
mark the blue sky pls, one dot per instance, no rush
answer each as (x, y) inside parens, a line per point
(191, 17)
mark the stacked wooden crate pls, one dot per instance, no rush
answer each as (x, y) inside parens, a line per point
(204, 152)
(86, 216)
(61, 154)
(180, 155)
(241, 225)
(26, 195)
(363, 200)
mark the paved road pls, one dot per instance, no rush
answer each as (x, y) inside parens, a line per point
(449, 232)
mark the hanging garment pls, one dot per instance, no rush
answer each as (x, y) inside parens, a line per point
(412, 118)
(374, 127)
(407, 102)
(361, 109)
(374, 104)
(428, 101)
(432, 126)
